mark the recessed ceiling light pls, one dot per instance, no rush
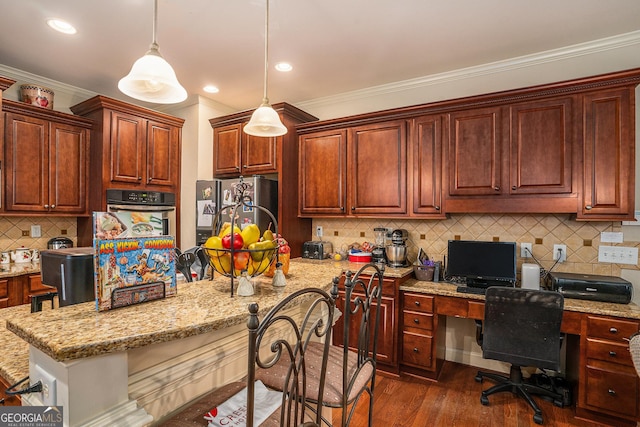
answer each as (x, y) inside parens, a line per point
(283, 66)
(211, 89)
(61, 26)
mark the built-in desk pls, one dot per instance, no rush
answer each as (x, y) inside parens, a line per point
(598, 358)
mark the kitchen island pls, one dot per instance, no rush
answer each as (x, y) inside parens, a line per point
(133, 365)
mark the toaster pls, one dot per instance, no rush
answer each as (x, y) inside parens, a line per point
(316, 249)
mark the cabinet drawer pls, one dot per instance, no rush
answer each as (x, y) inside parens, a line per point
(416, 302)
(417, 320)
(612, 391)
(612, 329)
(456, 307)
(416, 349)
(609, 351)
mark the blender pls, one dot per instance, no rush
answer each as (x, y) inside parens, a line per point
(378, 253)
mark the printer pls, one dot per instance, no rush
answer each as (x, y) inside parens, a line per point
(591, 287)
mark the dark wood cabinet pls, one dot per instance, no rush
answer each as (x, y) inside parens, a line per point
(235, 152)
(425, 165)
(18, 290)
(359, 170)
(609, 155)
(132, 148)
(387, 354)
(46, 161)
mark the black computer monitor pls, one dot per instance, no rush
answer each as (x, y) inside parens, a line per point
(482, 264)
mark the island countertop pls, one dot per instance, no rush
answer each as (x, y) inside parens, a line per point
(79, 331)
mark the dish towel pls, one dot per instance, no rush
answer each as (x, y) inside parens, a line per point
(233, 412)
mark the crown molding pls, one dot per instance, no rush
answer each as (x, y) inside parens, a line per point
(497, 67)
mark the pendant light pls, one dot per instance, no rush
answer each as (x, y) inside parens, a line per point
(151, 78)
(265, 120)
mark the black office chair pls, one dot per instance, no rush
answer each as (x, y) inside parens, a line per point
(521, 327)
(275, 339)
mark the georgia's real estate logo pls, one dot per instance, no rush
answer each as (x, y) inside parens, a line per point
(30, 416)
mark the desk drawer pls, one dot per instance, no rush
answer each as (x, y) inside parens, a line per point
(612, 391)
(612, 329)
(417, 302)
(418, 320)
(609, 351)
(416, 350)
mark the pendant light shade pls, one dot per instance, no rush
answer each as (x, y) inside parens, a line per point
(151, 78)
(265, 121)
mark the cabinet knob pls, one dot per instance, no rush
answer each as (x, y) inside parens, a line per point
(342, 208)
(588, 207)
(613, 330)
(612, 354)
(53, 206)
(417, 303)
(437, 208)
(46, 206)
(139, 178)
(611, 392)
(416, 321)
(514, 188)
(415, 349)
(244, 166)
(353, 208)
(496, 188)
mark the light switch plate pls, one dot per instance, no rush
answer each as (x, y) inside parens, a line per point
(618, 255)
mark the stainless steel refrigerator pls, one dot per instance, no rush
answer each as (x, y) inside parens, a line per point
(216, 194)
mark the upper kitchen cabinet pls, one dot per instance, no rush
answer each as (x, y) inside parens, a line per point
(132, 148)
(354, 170)
(236, 153)
(508, 157)
(425, 165)
(609, 155)
(46, 161)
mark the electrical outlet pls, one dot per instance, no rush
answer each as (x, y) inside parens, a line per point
(560, 253)
(525, 250)
(319, 231)
(25, 233)
(36, 231)
(48, 393)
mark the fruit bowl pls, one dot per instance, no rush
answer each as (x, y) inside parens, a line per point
(232, 262)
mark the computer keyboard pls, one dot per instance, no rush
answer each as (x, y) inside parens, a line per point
(471, 290)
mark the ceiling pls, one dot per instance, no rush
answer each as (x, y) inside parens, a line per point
(335, 46)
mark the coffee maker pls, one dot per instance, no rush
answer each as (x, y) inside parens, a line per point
(378, 253)
(397, 251)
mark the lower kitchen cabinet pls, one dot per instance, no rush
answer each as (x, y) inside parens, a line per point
(19, 289)
(388, 332)
(610, 384)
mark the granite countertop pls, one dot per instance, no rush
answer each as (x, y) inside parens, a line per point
(630, 311)
(14, 357)
(80, 331)
(18, 269)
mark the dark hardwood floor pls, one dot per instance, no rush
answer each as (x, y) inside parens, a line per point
(452, 401)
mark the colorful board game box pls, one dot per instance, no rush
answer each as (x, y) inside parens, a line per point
(130, 270)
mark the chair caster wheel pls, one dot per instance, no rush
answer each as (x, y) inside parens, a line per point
(537, 418)
(478, 378)
(484, 400)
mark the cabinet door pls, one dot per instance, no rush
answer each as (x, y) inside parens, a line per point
(474, 156)
(323, 169)
(386, 349)
(542, 135)
(426, 165)
(609, 156)
(68, 158)
(378, 168)
(26, 163)
(163, 154)
(226, 150)
(127, 148)
(258, 154)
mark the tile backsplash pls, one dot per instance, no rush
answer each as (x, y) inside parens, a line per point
(11, 230)
(543, 231)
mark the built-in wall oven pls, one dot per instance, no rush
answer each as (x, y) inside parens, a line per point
(145, 201)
